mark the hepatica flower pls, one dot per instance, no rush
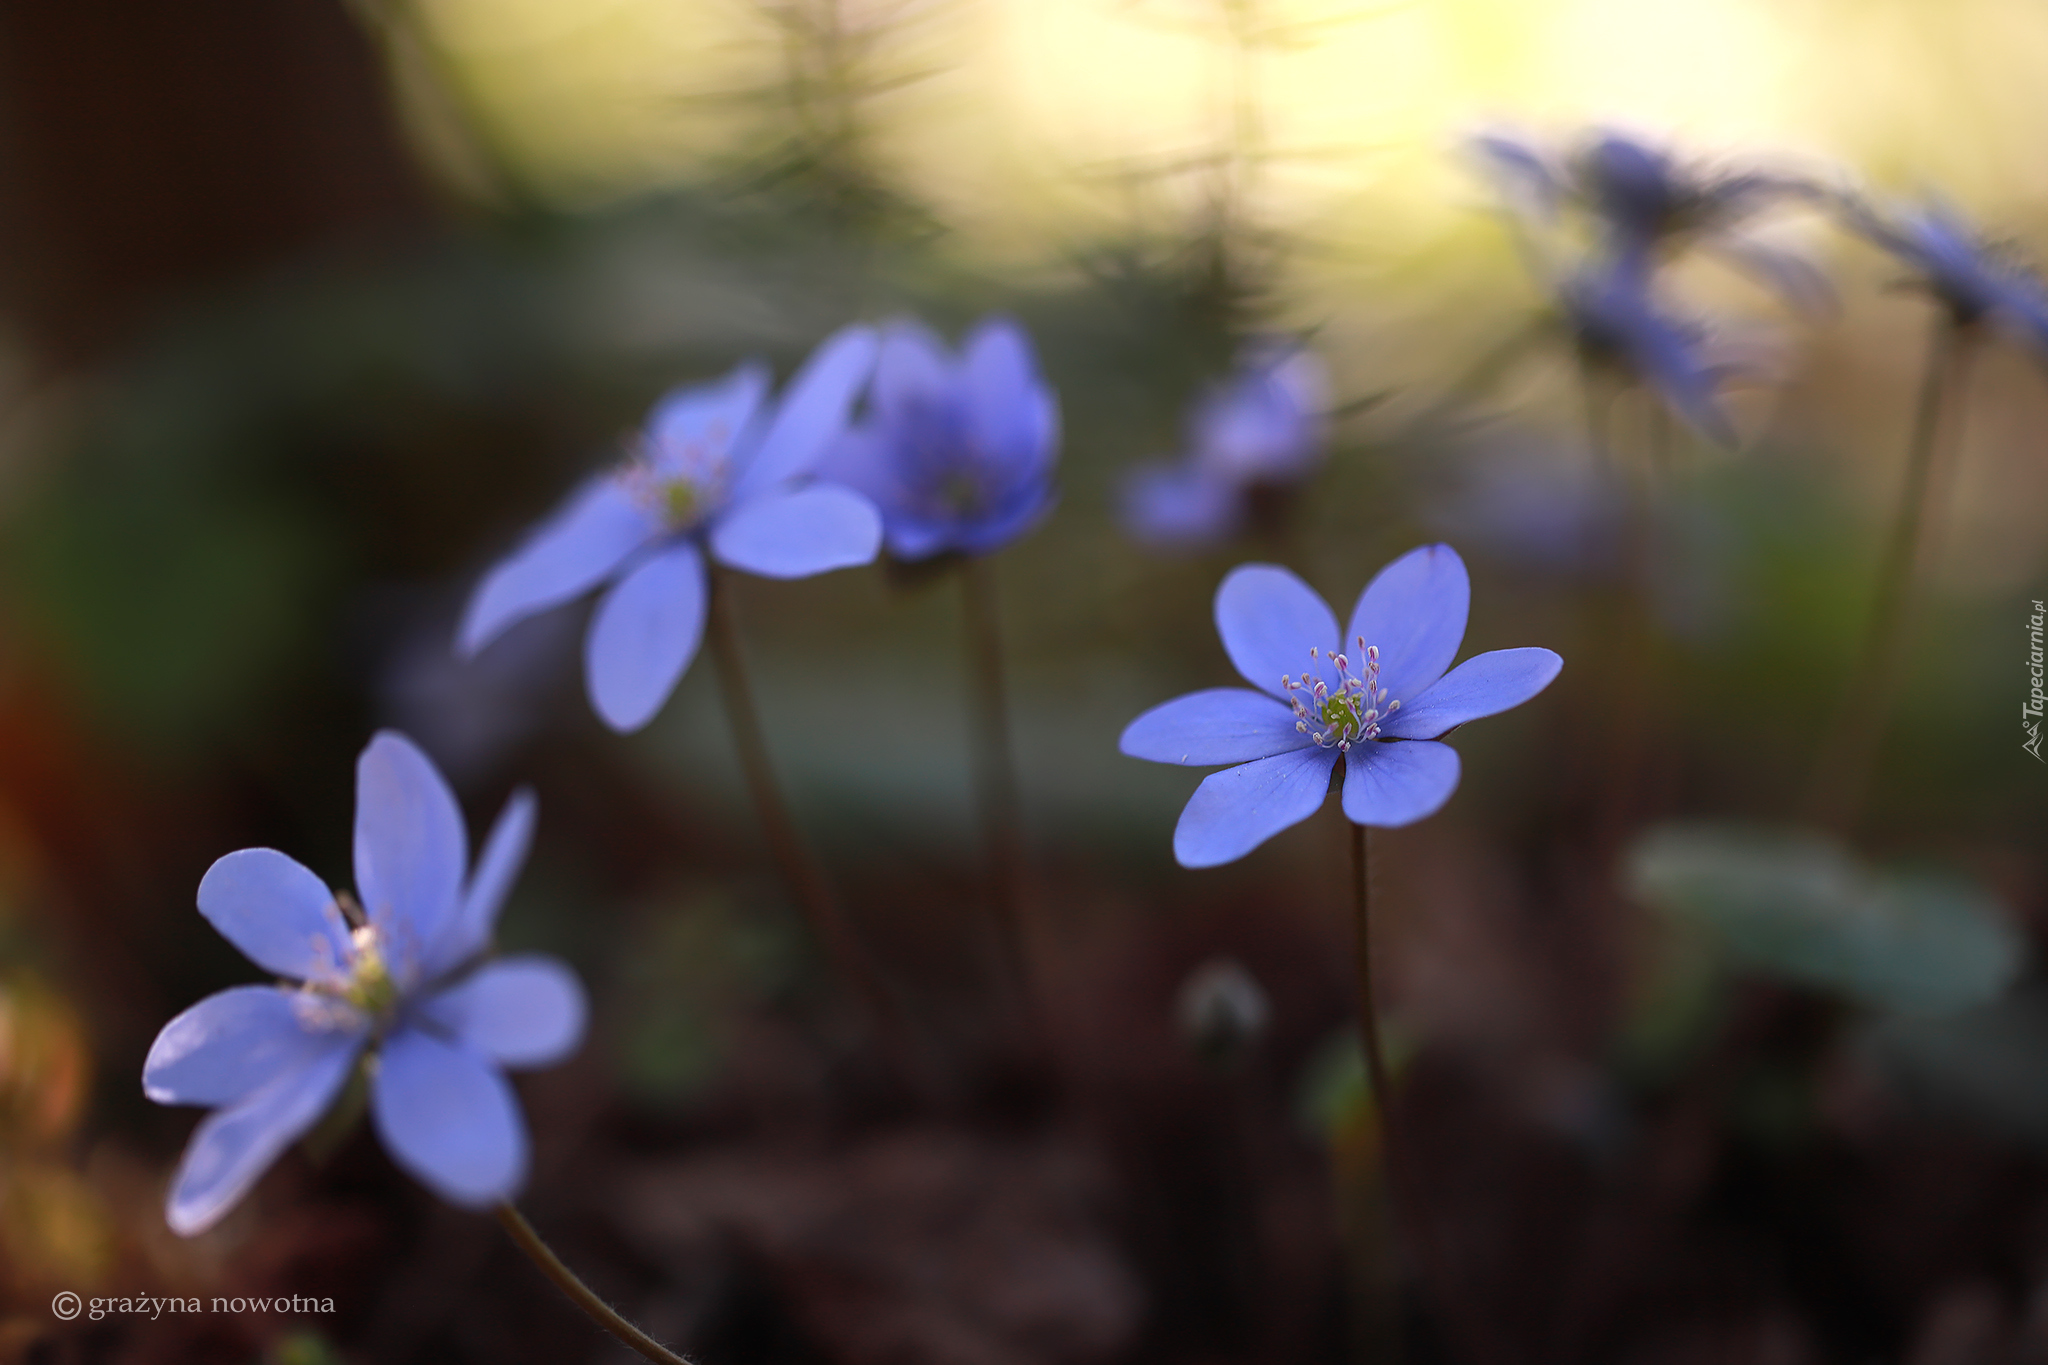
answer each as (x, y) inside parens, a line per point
(719, 469)
(1643, 202)
(1616, 323)
(1970, 277)
(1375, 698)
(956, 452)
(401, 974)
(1263, 425)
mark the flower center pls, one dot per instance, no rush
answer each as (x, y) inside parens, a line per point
(680, 481)
(961, 493)
(368, 986)
(1345, 715)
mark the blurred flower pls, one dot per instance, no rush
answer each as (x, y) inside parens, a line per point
(1971, 277)
(1616, 323)
(1262, 426)
(402, 975)
(1537, 505)
(1643, 202)
(1222, 1011)
(714, 469)
(1381, 719)
(956, 453)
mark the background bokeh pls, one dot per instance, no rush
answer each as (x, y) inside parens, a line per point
(308, 309)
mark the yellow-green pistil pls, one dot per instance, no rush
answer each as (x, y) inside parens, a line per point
(368, 985)
(680, 481)
(1347, 715)
(680, 501)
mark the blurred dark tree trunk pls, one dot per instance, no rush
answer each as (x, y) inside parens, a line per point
(150, 148)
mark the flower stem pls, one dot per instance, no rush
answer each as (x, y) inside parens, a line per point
(1842, 775)
(995, 771)
(1368, 1012)
(579, 1293)
(1368, 1194)
(799, 872)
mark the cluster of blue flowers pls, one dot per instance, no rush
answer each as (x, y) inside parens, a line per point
(887, 439)
(953, 454)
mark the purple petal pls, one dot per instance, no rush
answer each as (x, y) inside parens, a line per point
(812, 413)
(1023, 512)
(1014, 418)
(411, 849)
(449, 1118)
(797, 534)
(504, 854)
(281, 916)
(1221, 725)
(1269, 620)
(714, 416)
(1414, 610)
(1180, 505)
(1484, 685)
(517, 1011)
(1390, 785)
(572, 552)
(861, 460)
(1236, 810)
(230, 1045)
(232, 1147)
(646, 632)
(912, 368)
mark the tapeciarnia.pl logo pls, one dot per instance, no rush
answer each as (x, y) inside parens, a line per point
(2030, 711)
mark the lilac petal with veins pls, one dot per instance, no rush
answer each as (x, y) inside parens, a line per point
(1414, 610)
(449, 1118)
(1270, 620)
(1484, 685)
(230, 1045)
(581, 546)
(1395, 784)
(1237, 809)
(799, 533)
(411, 851)
(1221, 725)
(517, 1011)
(813, 411)
(233, 1146)
(646, 632)
(281, 916)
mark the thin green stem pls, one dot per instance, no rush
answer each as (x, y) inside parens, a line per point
(579, 1293)
(1849, 754)
(806, 883)
(995, 771)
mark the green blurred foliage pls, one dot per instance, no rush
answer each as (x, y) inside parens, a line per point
(1796, 906)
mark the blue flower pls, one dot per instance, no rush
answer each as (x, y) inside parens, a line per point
(956, 453)
(1969, 276)
(1616, 323)
(405, 976)
(1642, 201)
(714, 469)
(1262, 426)
(1379, 711)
